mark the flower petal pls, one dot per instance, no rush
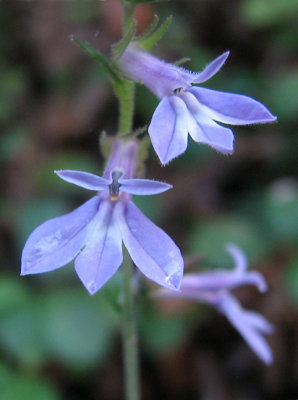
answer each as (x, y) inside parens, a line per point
(213, 134)
(204, 130)
(189, 293)
(57, 241)
(84, 179)
(241, 320)
(259, 322)
(238, 256)
(211, 69)
(230, 108)
(151, 249)
(143, 186)
(222, 279)
(168, 128)
(102, 254)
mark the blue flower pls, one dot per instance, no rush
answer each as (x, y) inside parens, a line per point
(213, 288)
(93, 233)
(185, 108)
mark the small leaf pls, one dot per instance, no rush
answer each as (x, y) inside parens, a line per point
(152, 40)
(119, 47)
(97, 56)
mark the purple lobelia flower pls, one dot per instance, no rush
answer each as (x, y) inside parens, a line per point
(214, 288)
(189, 109)
(93, 233)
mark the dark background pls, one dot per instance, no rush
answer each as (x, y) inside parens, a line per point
(57, 342)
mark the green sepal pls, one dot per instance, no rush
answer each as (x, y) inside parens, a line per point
(149, 42)
(144, 148)
(149, 30)
(97, 56)
(119, 47)
(182, 61)
(105, 144)
(143, 155)
(135, 133)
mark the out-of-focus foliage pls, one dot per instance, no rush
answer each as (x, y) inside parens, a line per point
(269, 12)
(57, 342)
(18, 387)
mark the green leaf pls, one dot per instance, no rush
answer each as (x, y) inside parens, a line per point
(21, 387)
(119, 48)
(149, 42)
(97, 56)
(13, 294)
(21, 334)
(78, 328)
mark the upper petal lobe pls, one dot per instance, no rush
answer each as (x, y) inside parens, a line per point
(211, 69)
(143, 186)
(84, 179)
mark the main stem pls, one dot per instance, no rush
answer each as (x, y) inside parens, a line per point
(125, 89)
(129, 331)
(130, 340)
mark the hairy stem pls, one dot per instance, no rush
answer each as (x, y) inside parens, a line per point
(128, 7)
(125, 91)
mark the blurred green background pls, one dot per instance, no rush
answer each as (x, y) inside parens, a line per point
(57, 342)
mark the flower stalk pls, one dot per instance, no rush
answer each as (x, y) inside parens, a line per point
(130, 339)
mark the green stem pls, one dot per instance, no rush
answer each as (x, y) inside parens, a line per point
(128, 7)
(125, 91)
(130, 341)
